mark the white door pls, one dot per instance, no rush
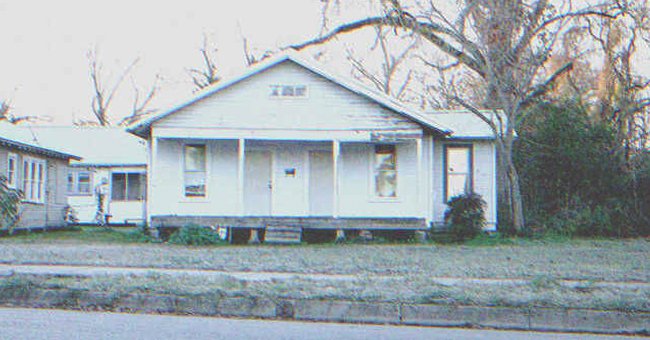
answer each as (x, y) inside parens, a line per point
(257, 183)
(321, 183)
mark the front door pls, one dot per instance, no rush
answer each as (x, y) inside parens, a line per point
(321, 183)
(257, 183)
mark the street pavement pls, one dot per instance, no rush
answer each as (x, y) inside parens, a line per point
(16, 323)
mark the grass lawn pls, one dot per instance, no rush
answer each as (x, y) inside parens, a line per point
(383, 272)
(600, 260)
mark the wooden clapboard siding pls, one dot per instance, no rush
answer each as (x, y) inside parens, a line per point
(484, 173)
(248, 105)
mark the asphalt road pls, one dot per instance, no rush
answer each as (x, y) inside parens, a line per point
(57, 324)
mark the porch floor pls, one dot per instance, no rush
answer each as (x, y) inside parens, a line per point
(325, 222)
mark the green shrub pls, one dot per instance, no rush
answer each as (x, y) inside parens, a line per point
(465, 216)
(9, 200)
(194, 235)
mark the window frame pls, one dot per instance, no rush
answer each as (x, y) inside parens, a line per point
(280, 91)
(143, 185)
(373, 172)
(12, 175)
(75, 183)
(445, 169)
(185, 171)
(34, 164)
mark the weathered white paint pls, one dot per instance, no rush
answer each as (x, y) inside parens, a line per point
(248, 105)
(484, 176)
(242, 121)
(258, 185)
(321, 183)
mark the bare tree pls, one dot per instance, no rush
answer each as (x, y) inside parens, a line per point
(250, 57)
(6, 115)
(207, 74)
(103, 94)
(507, 44)
(387, 80)
(140, 107)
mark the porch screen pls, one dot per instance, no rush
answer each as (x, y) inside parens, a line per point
(458, 173)
(385, 171)
(195, 172)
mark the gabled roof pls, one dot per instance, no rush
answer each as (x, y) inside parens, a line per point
(97, 146)
(23, 138)
(142, 129)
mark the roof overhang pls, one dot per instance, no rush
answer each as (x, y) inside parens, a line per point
(36, 149)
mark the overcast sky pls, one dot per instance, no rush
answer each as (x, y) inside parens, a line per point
(44, 68)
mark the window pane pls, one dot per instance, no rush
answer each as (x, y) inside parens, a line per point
(40, 185)
(386, 184)
(275, 90)
(459, 171)
(301, 91)
(70, 182)
(385, 171)
(134, 187)
(11, 171)
(195, 157)
(84, 183)
(287, 91)
(118, 190)
(195, 184)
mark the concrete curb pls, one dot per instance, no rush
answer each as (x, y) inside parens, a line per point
(535, 319)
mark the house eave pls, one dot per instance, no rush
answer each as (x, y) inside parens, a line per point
(36, 149)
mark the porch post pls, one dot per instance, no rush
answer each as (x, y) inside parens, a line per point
(241, 152)
(418, 155)
(153, 150)
(336, 146)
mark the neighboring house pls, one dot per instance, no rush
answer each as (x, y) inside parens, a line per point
(113, 164)
(39, 171)
(288, 143)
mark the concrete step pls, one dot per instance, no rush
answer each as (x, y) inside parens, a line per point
(280, 234)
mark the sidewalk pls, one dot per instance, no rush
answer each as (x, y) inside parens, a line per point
(71, 270)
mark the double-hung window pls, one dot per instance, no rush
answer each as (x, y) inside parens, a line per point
(79, 183)
(194, 168)
(385, 168)
(458, 170)
(34, 179)
(127, 186)
(12, 170)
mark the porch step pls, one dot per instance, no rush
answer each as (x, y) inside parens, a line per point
(283, 234)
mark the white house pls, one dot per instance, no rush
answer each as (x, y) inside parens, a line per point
(112, 164)
(289, 143)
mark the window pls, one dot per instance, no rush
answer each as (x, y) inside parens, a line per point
(79, 183)
(12, 166)
(34, 180)
(288, 91)
(194, 170)
(385, 171)
(128, 186)
(458, 172)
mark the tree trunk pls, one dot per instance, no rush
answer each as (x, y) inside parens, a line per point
(510, 199)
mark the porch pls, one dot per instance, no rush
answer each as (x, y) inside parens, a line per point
(376, 182)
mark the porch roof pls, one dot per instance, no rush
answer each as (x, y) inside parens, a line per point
(143, 128)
